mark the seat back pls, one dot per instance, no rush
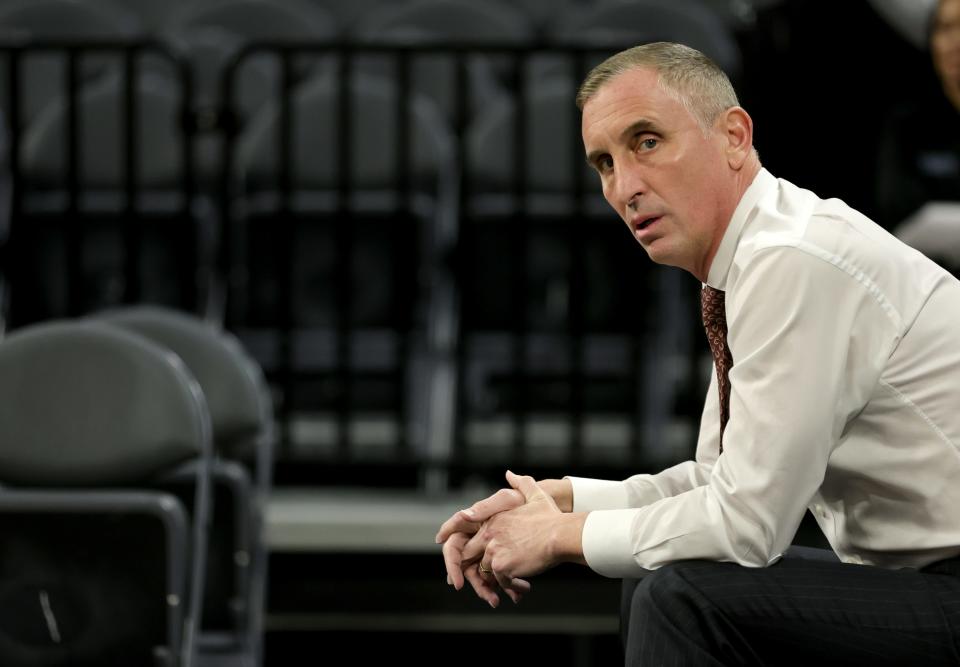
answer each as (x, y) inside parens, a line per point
(617, 25)
(107, 211)
(232, 383)
(446, 23)
(242, 421)
(373, 137)
(101, 139)
(82, 404)
(91, 420)
(44, 75)
(336, 214)
(259, 20)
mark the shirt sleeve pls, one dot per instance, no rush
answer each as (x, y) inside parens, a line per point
(808, 342)
(640, 490)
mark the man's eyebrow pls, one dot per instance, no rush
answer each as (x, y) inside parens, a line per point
(642, 125)
(592, 156)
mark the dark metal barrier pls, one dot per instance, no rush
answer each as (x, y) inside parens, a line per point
(104, 208)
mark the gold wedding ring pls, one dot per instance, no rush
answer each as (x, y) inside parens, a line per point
(483, 569)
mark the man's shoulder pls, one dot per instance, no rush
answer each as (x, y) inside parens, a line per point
(827, 251)
(798, 222)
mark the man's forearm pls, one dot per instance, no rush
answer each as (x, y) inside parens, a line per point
(561, 490)
(567, 542)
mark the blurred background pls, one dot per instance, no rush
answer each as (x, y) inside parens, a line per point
(384, 205)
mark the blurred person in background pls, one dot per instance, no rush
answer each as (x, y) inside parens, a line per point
(837, 380)
(918, 183)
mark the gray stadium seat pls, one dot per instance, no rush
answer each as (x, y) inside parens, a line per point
(350, 12)
(373, 134)
(98, 565)
(371, 229)
(259, 20)
(212, 32)
(101, 140)
(114, 262)
(44, 75)
(614, 25)
(209, 50)
(68, 19)
(447, 23)
(242, 420)
(553, 151)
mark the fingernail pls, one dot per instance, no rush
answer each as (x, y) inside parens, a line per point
(437, 539)
(469, 512)
(493, 605)
(449, 583)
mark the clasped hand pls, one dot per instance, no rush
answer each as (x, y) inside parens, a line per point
(499, 540)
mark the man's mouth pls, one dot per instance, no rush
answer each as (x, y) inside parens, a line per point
(640, 224)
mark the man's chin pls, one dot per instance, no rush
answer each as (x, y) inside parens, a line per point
(658, 253)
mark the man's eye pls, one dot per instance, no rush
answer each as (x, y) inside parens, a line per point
(604, 164)
(648, 144)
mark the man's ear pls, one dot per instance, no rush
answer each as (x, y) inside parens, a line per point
(737, 127)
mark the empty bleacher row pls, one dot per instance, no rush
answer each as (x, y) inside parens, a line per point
(399, 226)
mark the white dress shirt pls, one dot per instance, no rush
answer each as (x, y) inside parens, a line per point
(845, 398)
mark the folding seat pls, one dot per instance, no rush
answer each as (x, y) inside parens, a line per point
(151, 14)
(343, 208)
(67, 19)
(43, 75)
(258, 20)
(98, 565)
(451, 23)
(541, 13)
(242, 421)
(350, 12)
(209, 50)
(107, 212)
(210, 34)
(610, 26)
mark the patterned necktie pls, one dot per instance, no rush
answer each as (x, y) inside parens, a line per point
(715, 323)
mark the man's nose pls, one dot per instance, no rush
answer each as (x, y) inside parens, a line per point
(631, 187)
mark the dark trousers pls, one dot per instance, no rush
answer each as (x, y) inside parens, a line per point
(807, 609)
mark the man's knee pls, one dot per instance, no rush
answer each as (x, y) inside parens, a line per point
(668, 592)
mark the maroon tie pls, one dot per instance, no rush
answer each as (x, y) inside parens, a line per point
(715, 323)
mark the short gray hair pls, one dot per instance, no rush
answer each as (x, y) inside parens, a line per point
(686, 74)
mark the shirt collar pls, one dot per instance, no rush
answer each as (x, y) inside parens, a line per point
(762, 183)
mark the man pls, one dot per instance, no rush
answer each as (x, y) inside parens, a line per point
(837, 388)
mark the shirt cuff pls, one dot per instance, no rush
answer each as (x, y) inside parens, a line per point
(598, 494)
(608, 545)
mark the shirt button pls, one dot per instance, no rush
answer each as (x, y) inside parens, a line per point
(820, 511)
